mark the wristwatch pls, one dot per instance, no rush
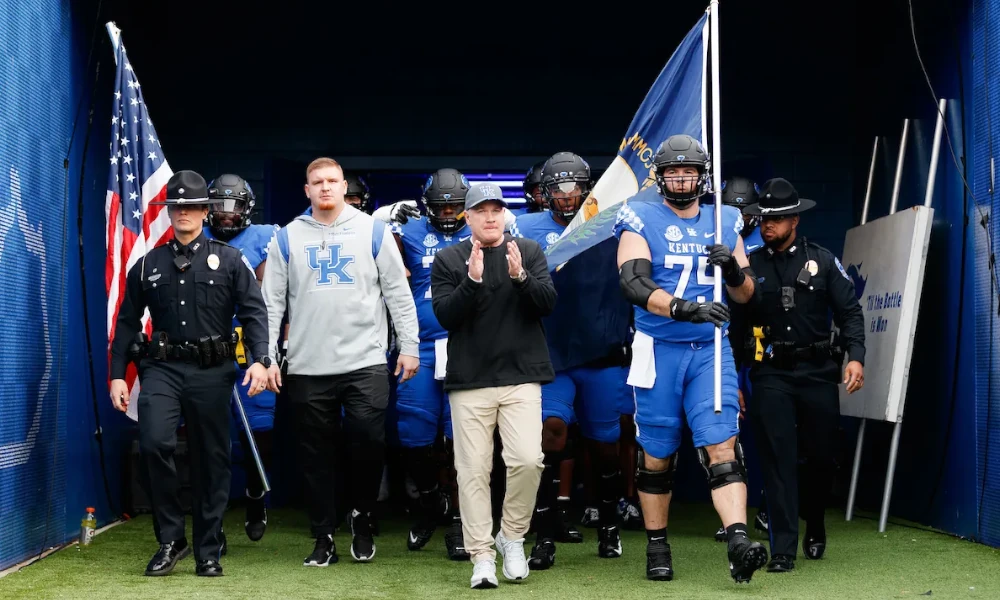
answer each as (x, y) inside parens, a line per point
(265, 360)
(521, 277)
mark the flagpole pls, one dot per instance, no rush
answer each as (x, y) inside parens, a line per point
(716, 153)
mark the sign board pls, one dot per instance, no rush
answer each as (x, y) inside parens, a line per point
(885, 258)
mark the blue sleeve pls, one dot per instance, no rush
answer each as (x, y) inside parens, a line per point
(283, 243)
(732, 225)
(267, 232)
(378, 233)
(514, 231)
(628, 219)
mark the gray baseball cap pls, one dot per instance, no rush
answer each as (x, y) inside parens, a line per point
(483, 192)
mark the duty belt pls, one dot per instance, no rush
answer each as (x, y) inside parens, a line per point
(189, 351)
(782, 354)
(208, 351)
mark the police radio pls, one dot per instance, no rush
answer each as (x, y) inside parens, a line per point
(802, 279)
(182, 262)
(804, 276)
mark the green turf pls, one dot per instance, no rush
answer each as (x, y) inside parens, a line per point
(860, 563)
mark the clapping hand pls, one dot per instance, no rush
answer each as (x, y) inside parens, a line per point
(476, 261)
(514, 266)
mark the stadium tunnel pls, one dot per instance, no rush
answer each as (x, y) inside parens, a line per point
(805, 91)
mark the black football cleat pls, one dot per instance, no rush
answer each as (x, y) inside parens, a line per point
(568, 533)
(760, 522)
(543, 555)
(745, 557)
(454, 541)
(255, 523)
(420, 534)
(659, 563)
(609, 542)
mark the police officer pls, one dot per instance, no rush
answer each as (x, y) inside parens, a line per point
(794, 369)
(192, 287)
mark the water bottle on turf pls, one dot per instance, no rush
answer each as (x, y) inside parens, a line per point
(88, 526)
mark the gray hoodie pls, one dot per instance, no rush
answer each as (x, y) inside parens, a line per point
(336, 281)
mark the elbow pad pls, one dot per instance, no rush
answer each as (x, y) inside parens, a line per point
(636, 280)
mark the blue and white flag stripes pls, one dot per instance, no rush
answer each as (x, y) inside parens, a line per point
(676, 103)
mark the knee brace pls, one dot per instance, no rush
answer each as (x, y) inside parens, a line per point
(655, 482)
(723, 474)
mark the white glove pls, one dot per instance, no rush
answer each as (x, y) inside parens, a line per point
(399, 212)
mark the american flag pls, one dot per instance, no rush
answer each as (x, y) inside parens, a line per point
(138, 174)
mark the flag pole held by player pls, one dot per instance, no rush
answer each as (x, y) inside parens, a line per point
(716, 155)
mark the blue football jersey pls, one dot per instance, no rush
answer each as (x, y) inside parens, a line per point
(539, 226)
(252, 242)
(517, 212)
(753, 242)
(421, 242)
(679, 250)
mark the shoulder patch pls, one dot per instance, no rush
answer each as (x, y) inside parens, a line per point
(840, 267)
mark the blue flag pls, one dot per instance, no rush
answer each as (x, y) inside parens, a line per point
(677, 103)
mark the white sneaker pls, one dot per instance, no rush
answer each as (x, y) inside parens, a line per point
(515, 566)
(484, 575)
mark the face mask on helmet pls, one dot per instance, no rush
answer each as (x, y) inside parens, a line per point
(532, 186)
(750, 222)
(358, 194)
(356, 202)
(443, 199)
(682, 184)
(228, 217)
(535, 199)
(565, 184)
(565, 197)
(446, 215)
(740, 192)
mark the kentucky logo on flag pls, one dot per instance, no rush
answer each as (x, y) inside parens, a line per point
(676, 104)
(138, 175)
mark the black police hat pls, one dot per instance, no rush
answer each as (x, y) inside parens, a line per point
(778, 198)
(186, 188)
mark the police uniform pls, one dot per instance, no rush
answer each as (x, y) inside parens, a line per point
(187, 368)
(794, 374)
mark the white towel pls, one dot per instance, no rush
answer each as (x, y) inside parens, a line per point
(642, 374)
(440, 358)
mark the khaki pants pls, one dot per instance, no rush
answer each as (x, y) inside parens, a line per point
(475, 414)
